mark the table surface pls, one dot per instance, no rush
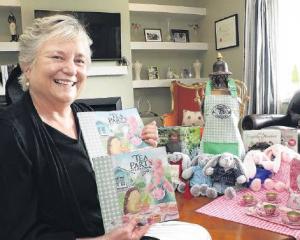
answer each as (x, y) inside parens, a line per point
(221, 228)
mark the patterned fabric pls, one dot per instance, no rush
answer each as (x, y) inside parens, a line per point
(199, 177)
(295, 172)
(283, 175)
(112, 214)
(221, 114)
(227, 177)
(232, 211)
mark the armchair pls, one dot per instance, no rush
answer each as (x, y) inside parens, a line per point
(290, 119)
(188, 97)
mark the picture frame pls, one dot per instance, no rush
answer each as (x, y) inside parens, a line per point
(153, 35)
(180, 35)
(153, 73)
(226, 32)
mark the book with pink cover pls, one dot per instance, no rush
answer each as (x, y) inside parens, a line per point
(135, 184)
(111, 132)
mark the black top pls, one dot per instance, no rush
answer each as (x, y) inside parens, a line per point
(74, 155)
(43, 193)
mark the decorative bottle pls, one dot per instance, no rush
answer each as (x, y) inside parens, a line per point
(137, 66)
(197, 68)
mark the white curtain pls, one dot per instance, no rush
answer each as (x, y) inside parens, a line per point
(261, 55)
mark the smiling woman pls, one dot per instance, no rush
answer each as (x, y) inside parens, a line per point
(48, 189)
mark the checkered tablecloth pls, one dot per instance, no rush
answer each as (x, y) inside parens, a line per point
(232, 211)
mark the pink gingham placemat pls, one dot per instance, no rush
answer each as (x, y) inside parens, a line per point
(232, 211)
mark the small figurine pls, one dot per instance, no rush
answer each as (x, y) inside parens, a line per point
(171, 74)
(12, 27)
(220, 73)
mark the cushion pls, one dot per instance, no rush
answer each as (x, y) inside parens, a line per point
(191, 118)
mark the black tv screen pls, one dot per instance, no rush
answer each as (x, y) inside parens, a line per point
(103, 28)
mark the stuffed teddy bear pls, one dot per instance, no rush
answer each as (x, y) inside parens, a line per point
(227, 173)
(180, 161)
(200, 183)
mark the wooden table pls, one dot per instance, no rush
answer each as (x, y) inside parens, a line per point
(220, 228)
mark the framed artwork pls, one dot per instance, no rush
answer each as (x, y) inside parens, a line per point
(180, 35)
(153, 73)
(153, 35)
(226, 31)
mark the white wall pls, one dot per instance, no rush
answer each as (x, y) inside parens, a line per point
(108, 86)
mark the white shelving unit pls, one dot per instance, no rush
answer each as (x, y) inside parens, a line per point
(163, 82)
(107, 70)
(9, 46)
(156, 8)
(10, 3)
(193, 46)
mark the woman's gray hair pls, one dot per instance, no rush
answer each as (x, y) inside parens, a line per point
(60, 26)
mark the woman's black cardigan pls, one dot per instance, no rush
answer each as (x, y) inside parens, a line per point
(36, 196)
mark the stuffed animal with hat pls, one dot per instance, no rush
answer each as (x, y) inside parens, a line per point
(227, 173)
(200, 183)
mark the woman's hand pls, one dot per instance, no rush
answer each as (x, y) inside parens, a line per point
(129, 231)
(150, 134)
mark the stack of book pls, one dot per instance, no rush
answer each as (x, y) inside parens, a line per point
(133, 179)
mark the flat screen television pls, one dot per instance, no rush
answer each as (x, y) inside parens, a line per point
(103, 28)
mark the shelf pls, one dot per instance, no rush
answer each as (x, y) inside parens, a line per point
(10, 3)
(156, 8)
(163, 82)
(107, 70)
(193, 46)
(9, 46)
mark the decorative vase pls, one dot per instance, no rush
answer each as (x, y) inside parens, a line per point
(197, 68)
(137, 66)
(169, 73)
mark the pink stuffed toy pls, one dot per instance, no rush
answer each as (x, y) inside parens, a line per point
(276, 159)
(281, 166)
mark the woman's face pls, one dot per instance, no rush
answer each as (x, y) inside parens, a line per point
(59, 72)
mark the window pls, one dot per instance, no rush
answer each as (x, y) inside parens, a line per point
(288, 49)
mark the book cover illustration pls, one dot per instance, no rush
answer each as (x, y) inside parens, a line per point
(135, 184)
(260, 139)
(180, 139)
(111, 132)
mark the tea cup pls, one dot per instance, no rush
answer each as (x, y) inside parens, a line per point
(248, 198)
(293, 216)
(270, 209)
(271, 196)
